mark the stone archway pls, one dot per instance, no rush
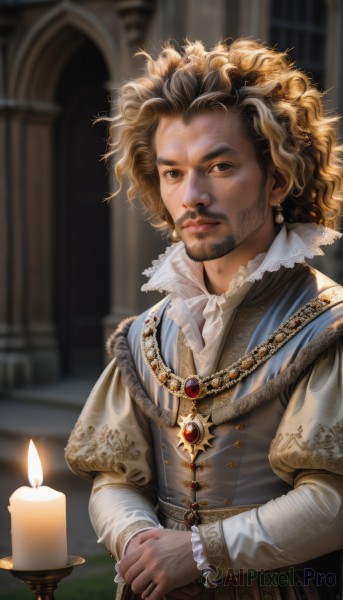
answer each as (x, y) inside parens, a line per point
(81, 216)
(50, 42)
(40, 62)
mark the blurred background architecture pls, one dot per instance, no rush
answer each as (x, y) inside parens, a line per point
(70, 262)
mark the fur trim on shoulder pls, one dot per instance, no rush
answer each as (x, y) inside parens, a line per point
(117, 346)
(121, 330)
(284, 380)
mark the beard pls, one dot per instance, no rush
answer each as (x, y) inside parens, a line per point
(211, 251)
(249, 221)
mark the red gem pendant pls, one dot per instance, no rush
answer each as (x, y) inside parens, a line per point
(192, 387)
(191, 433)
(194, 434)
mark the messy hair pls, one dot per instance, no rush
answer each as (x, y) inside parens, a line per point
(281, 110)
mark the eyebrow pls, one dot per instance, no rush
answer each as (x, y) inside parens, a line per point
(219, 151)
(222, 149)
(165, 161)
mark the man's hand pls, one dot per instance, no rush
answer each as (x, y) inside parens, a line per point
(159, 561)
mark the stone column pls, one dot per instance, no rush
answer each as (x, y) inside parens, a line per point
(28, 349)
(14, 364)
(38, 195)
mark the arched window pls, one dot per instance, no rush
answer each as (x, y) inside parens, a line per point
(299, 26)
(81, 219)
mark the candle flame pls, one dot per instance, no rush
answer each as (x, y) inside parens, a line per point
(35, 471)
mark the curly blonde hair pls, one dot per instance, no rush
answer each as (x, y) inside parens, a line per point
(282, 112)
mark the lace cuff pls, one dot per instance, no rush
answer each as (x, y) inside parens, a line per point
(198, 550)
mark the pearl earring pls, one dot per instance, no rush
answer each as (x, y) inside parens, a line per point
(279, 218)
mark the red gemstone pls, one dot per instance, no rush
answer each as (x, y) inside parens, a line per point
(191, 433)
(194, 485)
(192, 387)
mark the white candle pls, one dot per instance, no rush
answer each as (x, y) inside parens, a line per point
(38, 522)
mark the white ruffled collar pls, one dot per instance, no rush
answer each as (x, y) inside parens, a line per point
(174, 271)
(200, 313)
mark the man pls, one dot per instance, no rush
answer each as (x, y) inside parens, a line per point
(214, 437)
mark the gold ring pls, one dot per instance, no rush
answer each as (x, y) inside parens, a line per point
(150, 587)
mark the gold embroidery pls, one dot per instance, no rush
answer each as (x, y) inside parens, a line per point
(200, 466)
(215, 548)
(207, 515)
(320, 451)
(107, 448)
(237, 444)
(128, 531)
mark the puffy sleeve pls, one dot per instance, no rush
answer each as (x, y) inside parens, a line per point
(310, 435)
(307, 452)
(111, 445)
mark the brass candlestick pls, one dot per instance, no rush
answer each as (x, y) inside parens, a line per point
(44, 582)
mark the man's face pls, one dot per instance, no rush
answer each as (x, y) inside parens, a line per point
(212, 184)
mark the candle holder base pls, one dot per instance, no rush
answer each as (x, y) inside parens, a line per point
(44, 582)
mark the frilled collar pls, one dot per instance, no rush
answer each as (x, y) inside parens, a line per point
(200, 313)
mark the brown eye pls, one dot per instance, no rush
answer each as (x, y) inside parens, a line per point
(172, 174)
(222, 166)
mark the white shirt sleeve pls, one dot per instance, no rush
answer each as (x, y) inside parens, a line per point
(118, 511)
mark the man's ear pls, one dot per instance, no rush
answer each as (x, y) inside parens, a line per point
(279, 188)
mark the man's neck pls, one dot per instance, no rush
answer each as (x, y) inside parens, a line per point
(218, 273)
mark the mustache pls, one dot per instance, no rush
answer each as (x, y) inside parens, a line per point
(199, 212)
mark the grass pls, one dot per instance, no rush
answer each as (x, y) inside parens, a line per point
(93, 581)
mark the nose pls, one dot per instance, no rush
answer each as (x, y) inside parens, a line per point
(196, 192)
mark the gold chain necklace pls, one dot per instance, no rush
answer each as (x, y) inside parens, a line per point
(194, 386)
